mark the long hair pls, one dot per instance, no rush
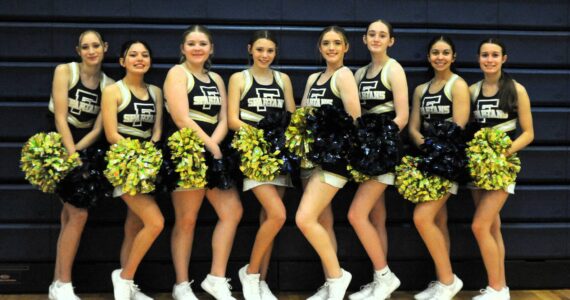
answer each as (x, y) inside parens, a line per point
(447, 40)
(507, 94)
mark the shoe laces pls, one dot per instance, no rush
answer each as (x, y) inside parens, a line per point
(369, 285)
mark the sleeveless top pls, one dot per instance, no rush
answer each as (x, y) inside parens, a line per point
(437, 106)
(487, 113)
(376, 93)
(83, 103)
(136, 117)
(204, 103)
(259, 100)
(326, 93)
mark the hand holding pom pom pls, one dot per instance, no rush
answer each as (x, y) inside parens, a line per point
(489, 165)
(45, 161)
(133, 165)
(419, 186)
(258, 161)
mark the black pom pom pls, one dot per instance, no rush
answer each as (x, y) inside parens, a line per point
(377, 146)
(333, 132)
(274, 125)
(86, 185)
(444, 150)
(167, 178)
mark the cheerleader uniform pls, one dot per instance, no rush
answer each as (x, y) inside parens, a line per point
(438, 107)
(487, 113)
(320, 95)
(135, 117)
(376, 98)
(204, 105)
(256, 102)
(83, 103)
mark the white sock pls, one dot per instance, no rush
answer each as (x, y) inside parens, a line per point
(382, 272)
(181, 284)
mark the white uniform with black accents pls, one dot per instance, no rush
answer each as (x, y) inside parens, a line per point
(84, 103)
(376, 97)
(256, 101)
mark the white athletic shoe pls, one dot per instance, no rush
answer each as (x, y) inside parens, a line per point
(365, 292)
(337, 286)
(183, 291)
(491, 294)
(249, 284)
(123, 289)
(61, 291)
(266, 293)
(141, 296)
(446, 292)
(426, 294)
(385, 286)
(218, 287)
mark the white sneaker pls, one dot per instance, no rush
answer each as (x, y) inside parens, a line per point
(266, 293)
(218, 287)
(322, 293)
(122, 289)
(426, 294)
(446, 292)
(365, 292)
(491, 294)
(337, 286)
(183, 291)
(249, 284)
(385, 286)
(61, 291)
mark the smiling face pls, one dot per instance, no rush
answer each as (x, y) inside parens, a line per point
(91, 48)
(491, 58)
(441, 56)
(377, 38)
(332, 47)
(197, 48)
(136, 59)
(263, 52)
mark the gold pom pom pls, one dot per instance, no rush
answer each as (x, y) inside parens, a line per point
(489, 166)
(188, 154)
(45, 161)
(257, 160)
(133, 165)
(417, 186)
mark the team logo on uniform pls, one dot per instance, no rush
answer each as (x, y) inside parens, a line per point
(210, 96)
(489, 108)
(316, 99)
(266, 97)
(432, 105)
(368, 91)
(144, 113)
(84, 101)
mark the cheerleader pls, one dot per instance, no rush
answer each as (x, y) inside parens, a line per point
(334, 86)
(196, 99)
(75, 102)
(131, 108)
(382, 89)
(255, 93)
(444, 97)
(498, 101)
